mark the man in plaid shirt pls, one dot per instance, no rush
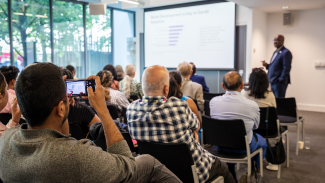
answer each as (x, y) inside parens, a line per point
(157, 119)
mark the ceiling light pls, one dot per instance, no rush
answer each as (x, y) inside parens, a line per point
(285, 7)
(129, 1)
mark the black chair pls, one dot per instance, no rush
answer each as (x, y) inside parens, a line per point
(207, 107)
(229, 134)
(273, 129)
(128, 139)
(76, 131)
(209, 96)
(288, 115)
(133, 98)
(176, 157)
(5, 117)
(125, 120)
(113, 111)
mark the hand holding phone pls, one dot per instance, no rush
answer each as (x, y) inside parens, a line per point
(79, 87)
(96, 98)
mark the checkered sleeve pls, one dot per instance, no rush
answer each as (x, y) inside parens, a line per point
(192, 119)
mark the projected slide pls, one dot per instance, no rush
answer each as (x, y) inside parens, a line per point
(203, 34)
(76, 87)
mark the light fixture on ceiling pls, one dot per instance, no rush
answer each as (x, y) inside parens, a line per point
(285, 7)
(131, 2)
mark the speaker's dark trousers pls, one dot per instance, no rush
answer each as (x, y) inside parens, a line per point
(279, 89)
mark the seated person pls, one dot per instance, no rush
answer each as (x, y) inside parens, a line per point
(11, 74)
(119, 72)
(115, 83)
(158, 119)
(116, 98)
(72, 70)
(128, 86)
(198, 79)
(40, 144)
(258, 92)
(175, 85)
(233, 105)
(189, 88)
(258, 89)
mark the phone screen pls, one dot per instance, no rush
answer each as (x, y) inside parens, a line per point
(78, 87)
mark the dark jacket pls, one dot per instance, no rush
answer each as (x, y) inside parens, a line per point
(279, 69)
(201, 81)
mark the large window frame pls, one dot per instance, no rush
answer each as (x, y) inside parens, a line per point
(84, 4)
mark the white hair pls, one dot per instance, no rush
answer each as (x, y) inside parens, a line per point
(184, 68)
(154, 87)
(129, 71)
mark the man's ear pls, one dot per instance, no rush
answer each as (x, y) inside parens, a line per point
(241, 86)
(60, 109)
(166, 90)
(191, 72)
(223, 86)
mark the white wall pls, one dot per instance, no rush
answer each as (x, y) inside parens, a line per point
(306, 41)
(259, 36)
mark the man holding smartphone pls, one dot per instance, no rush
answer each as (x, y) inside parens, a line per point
(279, 68)
(39, 151)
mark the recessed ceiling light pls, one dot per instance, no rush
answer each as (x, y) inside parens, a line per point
(285, 7)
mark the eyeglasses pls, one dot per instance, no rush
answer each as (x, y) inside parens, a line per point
(67, 96)
(258, 68)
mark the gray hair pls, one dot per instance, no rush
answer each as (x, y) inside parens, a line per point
(184, 68)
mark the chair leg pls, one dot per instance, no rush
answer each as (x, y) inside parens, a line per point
(297, 145)
(303, 130)
(238, 166)
(279, 171)
(249, 166)
(287, 141)
(261, 162)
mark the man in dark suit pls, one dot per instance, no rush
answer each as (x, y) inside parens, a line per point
(279, 68)
(198, 79)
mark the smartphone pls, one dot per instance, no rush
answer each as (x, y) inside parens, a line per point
(79, 87)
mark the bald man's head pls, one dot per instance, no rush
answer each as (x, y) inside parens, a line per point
(232, 81)
(155, 81)
(278, 41)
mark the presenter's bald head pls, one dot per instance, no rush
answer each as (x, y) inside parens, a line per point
(155, 81)
(278, 41)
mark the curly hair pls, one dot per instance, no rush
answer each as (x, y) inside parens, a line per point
(9, 73)
(3, 85)
(106, 80)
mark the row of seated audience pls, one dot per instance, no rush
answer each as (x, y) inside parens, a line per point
(165, 113)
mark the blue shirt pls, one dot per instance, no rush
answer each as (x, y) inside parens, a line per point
(233, 105)
(184, 98)
(157, 119)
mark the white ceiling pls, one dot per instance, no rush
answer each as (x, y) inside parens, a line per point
(263, 5)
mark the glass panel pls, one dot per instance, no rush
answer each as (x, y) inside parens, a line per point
(68, 36)
(31, 32)
(124, 40)
(98, 41)
(4, 34)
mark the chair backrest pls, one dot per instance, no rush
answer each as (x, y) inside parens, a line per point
(209, 96)
(128, 139)
(207, 107)
(175, 156)
(76, 131)
(113, 111)
(125, 120)
(133, 98)
(286, 107)
(272, 122)
(225, 133)
(5, 117)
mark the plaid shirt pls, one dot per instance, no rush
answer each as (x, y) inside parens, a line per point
(156, 119)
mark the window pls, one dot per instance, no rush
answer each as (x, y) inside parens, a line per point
(68, 36)
(124, 38)
(4, 34)
(98, 42)
(31, 32)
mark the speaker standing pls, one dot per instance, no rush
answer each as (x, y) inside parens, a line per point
(279, 67)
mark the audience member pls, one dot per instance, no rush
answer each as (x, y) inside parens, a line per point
(158, 119)
(3, 103)
(72, 70)
(198, 79)
(111, 68)
(189, 88)
(258, 89)
(119, 72)
(128, 86)
(117, 98)
(233, 105)
(40, 143)
(10, 73)
(175, 90)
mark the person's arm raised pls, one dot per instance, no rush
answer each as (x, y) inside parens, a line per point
(97, 101)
